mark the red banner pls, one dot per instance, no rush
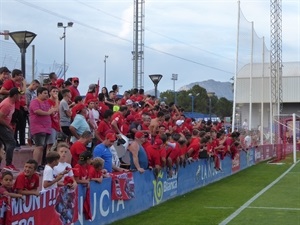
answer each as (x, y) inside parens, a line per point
(236, 163)
(56, 206)
(122, 186)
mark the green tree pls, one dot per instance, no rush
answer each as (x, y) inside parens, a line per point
(223, 108)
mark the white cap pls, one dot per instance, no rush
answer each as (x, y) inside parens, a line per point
(129, 102)
(179, 122)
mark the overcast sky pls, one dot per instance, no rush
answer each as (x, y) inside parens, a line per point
(195, 39)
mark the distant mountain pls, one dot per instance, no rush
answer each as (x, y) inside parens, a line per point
(221, 89)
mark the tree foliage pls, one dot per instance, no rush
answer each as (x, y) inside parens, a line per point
(220, 107)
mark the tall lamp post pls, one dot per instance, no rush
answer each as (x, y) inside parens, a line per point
(174, 78)
(155, 79)
(105, 57)
(210, 95)
(192, 96)
(61, 25)
(23, 40)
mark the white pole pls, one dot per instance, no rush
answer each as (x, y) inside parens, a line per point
(262, 95)
(294, 138)
(251, 75)
(236, 69)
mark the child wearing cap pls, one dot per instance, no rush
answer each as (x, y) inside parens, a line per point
(81, 169)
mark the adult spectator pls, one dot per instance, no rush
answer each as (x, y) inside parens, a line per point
(101, 105)
(78, 100)
(104, 126)
(115, 88)
(79, 125)
(92, 93)
(154, 124)
(79, 146)
(138, 155)
(65, 112)
(118, 119)
(31, 91)
(4, 75)
(40, 123)
(74, 88)
(30, 94)
(105, 92)
(103, 150)
(7, 108)
(53, 78)
(110, 101)
(125, 97)
(55, 124)
(20, 114)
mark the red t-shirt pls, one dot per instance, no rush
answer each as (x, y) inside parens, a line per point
(89, 96)
(25, 183)
(54, 116)
(7, 109)
(81, 171)
(103, 128)
(9, 84)
(195, 145)
(119, 118)
(93, 173)
(74, 91)
(102, 109)
(76, 149)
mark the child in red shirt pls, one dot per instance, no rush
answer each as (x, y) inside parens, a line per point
(81, 170)
(96, 171)
(27, 182)
(6, 192)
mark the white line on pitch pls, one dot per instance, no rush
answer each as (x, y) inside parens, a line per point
(239, 210)
(274, 208)
(218, 207)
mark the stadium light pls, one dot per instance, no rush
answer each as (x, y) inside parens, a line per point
(155, 79)
(22, 39)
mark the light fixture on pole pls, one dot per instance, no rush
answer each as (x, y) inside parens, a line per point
(23, 40)
(61, 25)
(104, 83)
(155, 79)
(174, 78)
(210, 95)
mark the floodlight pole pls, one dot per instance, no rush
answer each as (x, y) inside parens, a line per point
(174, 78)
(60, 25)
(104, 83)
(210, 95)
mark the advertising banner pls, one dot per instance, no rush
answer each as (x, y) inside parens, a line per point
(57, 206)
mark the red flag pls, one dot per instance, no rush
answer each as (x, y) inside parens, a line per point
(87, 205)
(122, 186)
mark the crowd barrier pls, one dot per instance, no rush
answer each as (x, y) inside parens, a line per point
(148, 191)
